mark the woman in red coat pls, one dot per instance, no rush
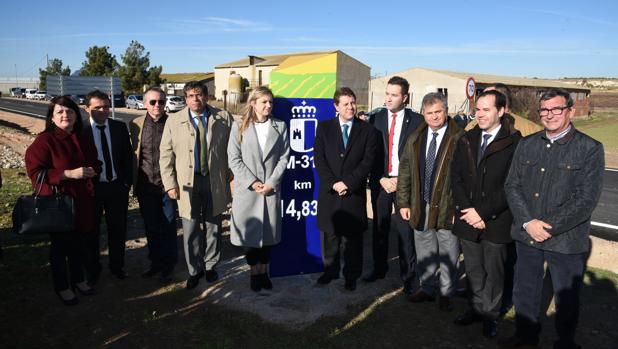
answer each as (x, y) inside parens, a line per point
(71, 162)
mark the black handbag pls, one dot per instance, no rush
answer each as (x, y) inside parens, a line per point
(39, 214)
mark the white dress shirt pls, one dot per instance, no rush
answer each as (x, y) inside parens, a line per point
(97, 142)
(439, 138)
(396, 137)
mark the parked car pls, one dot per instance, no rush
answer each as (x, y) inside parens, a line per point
(29, 93)
(17, 92)
(119, 100)
(40, 95)
(135, 102)
(174, 103)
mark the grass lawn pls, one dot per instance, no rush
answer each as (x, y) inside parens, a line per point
(137, 313)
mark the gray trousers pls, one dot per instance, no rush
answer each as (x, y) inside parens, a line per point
(202, 233)
(437, 248)
(484, 263)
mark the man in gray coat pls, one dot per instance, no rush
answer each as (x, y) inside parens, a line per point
(554, 184)
(194, 171)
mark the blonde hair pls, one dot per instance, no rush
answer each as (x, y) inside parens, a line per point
(249, 114)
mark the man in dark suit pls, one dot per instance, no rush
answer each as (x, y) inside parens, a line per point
(114, 150)
(344, 152)
(394, 124)
(482, 217)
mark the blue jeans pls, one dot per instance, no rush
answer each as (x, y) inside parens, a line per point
(566, 274)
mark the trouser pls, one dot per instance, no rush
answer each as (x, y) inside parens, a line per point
(437, 248)
(484, 263)
(509, 275)
(351, 246)
(382, 205)
(257, 255)
(201, 247)
(112, 200)
(566, 274)
(65, 250)
(159, 214)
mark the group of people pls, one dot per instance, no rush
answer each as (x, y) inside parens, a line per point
(508, 203)
(445, 191)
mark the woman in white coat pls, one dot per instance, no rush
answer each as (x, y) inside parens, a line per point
(258, 152)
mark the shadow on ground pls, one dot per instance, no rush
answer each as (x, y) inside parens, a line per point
(144, 313)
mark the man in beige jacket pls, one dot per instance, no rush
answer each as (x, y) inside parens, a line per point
(194, 171)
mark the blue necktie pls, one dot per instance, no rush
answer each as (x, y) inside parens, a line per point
(484, 145)
(345, 135)
(429, 162)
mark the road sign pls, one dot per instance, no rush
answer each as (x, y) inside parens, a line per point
(470, 88)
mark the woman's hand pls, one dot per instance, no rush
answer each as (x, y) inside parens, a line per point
(265, 189)
(256, 186)
(80, 172)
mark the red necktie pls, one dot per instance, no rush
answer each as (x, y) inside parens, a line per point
(391, 135)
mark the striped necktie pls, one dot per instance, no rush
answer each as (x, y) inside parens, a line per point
(429, 162)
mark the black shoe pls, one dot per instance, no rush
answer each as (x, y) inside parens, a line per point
(193, 280)
(211, 275)
(374, 276)
(256, 284)
(67, 302)
(516, 341)
(89, 291)
(350, 284)
(325, 279)
(467, 318)
(119, 273)
(421, 296)
(490, 328)
(444, 303)
(150, 272)
(265, 281)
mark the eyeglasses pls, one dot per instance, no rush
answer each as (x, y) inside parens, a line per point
(154, 101)
(554, 111)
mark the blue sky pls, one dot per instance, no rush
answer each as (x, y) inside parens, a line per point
(521, 38)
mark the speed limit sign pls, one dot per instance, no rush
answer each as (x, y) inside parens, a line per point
(470, 88)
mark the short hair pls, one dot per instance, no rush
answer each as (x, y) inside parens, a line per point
(155, 89)
(343, 91)
(195, 85)
(432, 98)
(500, 98)
(65, 101)
(505, 90)
(403, 83)
(96, 94)
(557, 92)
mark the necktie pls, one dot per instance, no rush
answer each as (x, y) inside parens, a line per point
(391, 136)
(345, 135)
(203, 147)
(484, 145)
(107, 158)
(429, 162)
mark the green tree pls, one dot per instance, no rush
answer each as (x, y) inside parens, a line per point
(54, 67)
(135, 71)
(99, 62)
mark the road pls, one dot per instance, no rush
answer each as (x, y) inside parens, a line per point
(37, 109)
(604, 217)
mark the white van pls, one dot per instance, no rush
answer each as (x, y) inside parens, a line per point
(30, 92)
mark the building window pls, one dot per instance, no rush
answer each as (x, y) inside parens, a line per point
(259, 78)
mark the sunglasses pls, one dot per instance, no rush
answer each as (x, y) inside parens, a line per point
(154, 101)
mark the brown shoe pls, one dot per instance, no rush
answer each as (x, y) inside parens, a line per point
(421, 296)
(445, 303)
